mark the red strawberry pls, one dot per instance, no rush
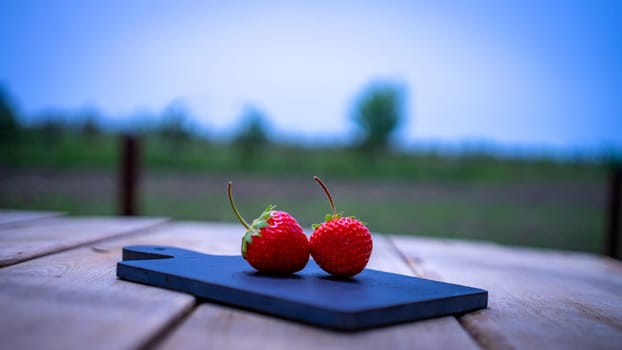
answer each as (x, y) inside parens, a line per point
(341, 246)
(274, 242)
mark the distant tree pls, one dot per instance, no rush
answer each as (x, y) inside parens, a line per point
(176, 128)
(52, 127)
(143, 123)
(89, 126)
(378, 112)
(253, 137)
(9, 125)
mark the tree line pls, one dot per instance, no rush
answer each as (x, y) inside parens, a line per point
(378, 111)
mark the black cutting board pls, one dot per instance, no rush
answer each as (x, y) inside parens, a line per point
(370, 299)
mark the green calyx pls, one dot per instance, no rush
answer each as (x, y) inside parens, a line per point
(328, 218)
(337, 216)
(254, 229)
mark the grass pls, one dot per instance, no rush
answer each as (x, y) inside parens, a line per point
(555, 214)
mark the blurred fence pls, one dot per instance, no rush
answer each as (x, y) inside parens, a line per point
(129, 175)
(130, 171)
(612, 245)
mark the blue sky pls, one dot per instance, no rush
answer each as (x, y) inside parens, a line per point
(528, 73)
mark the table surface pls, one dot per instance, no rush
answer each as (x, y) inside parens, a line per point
(58, 289)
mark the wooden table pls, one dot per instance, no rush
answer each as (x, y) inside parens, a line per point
(58, 290)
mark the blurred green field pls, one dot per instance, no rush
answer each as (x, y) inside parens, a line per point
(537, 202)
(74, 151)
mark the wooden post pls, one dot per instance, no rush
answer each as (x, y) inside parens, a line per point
(612, 239)
(129, 173)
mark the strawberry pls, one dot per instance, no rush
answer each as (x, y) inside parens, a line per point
(274, 242)
(341, 245)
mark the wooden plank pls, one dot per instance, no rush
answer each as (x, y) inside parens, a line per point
(16, 217)
(47, 236)
(537, 298)
(73, 300)
(220, 327)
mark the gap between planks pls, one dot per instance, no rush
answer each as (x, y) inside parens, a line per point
(73, 299)
(417, 267)
(11, 217)
(53, 236)
(538, 298)
(168, 327)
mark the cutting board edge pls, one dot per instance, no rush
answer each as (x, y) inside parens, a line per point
(347, 321)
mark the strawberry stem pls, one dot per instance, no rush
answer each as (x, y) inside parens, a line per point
(235, 210)
(330, 198)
